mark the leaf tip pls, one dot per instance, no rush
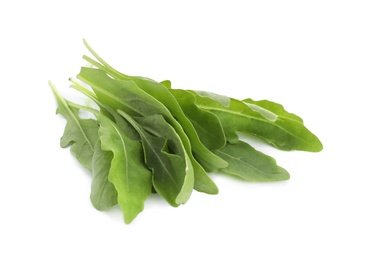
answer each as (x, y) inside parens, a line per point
(50, 83)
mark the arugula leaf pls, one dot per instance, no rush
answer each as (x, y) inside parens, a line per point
(103, 193)
(283, 133)
(250, 164)
(131, 179)
(80, 134)
(172, 179)
(157, 126)
(163, 95)
(206, 124)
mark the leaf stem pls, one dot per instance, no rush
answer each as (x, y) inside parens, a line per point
(101, 60)
(103, 68)
(77, 86)
(85, 108)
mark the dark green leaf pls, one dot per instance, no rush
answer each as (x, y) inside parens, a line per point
(163, 95)
(156, 125)
(173, 176)
(206, 124)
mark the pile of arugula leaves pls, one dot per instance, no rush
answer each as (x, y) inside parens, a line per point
(144, 137)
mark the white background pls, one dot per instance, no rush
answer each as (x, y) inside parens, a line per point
(311, 56)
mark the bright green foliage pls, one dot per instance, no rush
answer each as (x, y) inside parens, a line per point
(126, 96)
(128, 174)
(147, 137)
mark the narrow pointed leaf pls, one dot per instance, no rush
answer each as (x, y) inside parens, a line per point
(283, 133)
(250, 164)
(128, 174)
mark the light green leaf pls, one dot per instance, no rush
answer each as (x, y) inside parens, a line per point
(250, 164)
(166, 83)
(131, 179)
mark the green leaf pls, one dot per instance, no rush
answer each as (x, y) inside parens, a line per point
(131, 179)
(157, 126)
(103, 194)
(206, 124)
(79, 134)
(163, 95)
(149, 138)
(126, 96)
(250, 164)
(282, 132)
(173, 176)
